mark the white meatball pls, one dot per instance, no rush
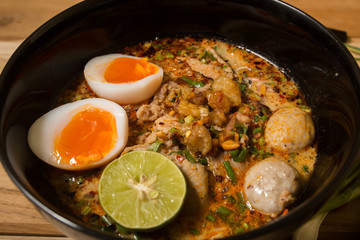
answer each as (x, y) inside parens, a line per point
(289, 129)
(271, 185)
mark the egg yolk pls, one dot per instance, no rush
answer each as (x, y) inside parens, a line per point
(88, 137)
(125, 70)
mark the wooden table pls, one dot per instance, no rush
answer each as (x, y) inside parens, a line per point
(19, 18)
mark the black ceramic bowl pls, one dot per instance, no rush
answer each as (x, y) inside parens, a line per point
(56, 53)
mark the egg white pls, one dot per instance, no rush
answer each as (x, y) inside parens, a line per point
(123, 93)
(43, 132)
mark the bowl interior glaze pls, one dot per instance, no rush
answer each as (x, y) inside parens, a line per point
(55, 55)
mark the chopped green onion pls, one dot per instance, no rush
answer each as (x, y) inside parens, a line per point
(291, 93)
(261, 141)
(234, 154)
(159, 56)
(263, 118)
(169, 54)
(157, 46)
(186, 154)
(223, 211)
(230, 172)
(189, 157)
(86, 210)
(245, 225)
(238, 157)
(258, 130)
(172, 130)
(260, 153)
(210, 218)
(192, 82)
(303, 106)
(194, 231)
(121, 229)
(207, 55)
(106, 220)
(214, 131)
(230, 198)
(243, 87)
(155, 146)
(240, 204)
(241, 127)
(191, 48)
(203, 161)
(242, 155)
(147, 44)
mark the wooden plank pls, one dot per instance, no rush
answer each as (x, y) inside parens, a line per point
(31, 238)
(19, 18)
(9, 237)
(342, 223)
(343, 15)
(17, 214)
(6, 49)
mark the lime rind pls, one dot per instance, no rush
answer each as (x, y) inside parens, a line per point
(142, 190)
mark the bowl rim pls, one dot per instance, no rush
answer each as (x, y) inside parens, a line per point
(312, 204)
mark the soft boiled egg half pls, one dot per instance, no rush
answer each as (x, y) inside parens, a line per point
(123, 79)
(80, 135)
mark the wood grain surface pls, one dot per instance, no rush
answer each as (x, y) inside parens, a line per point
(19, 18)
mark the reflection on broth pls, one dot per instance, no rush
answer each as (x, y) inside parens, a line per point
(210, 117)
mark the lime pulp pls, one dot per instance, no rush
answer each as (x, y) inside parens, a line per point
(142, 190)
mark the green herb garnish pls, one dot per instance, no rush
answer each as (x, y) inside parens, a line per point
(86, 210)
(106, 220)
(223, 211)
(210, 218)
(258, 130)
(230, 172)
(185, 154)
(192, 82)
(238, 157)
(194, 231)
(172, 130)
(242, 87)
(207, 56)
(155, 146)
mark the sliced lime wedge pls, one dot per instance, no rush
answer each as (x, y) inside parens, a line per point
(142, 190)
